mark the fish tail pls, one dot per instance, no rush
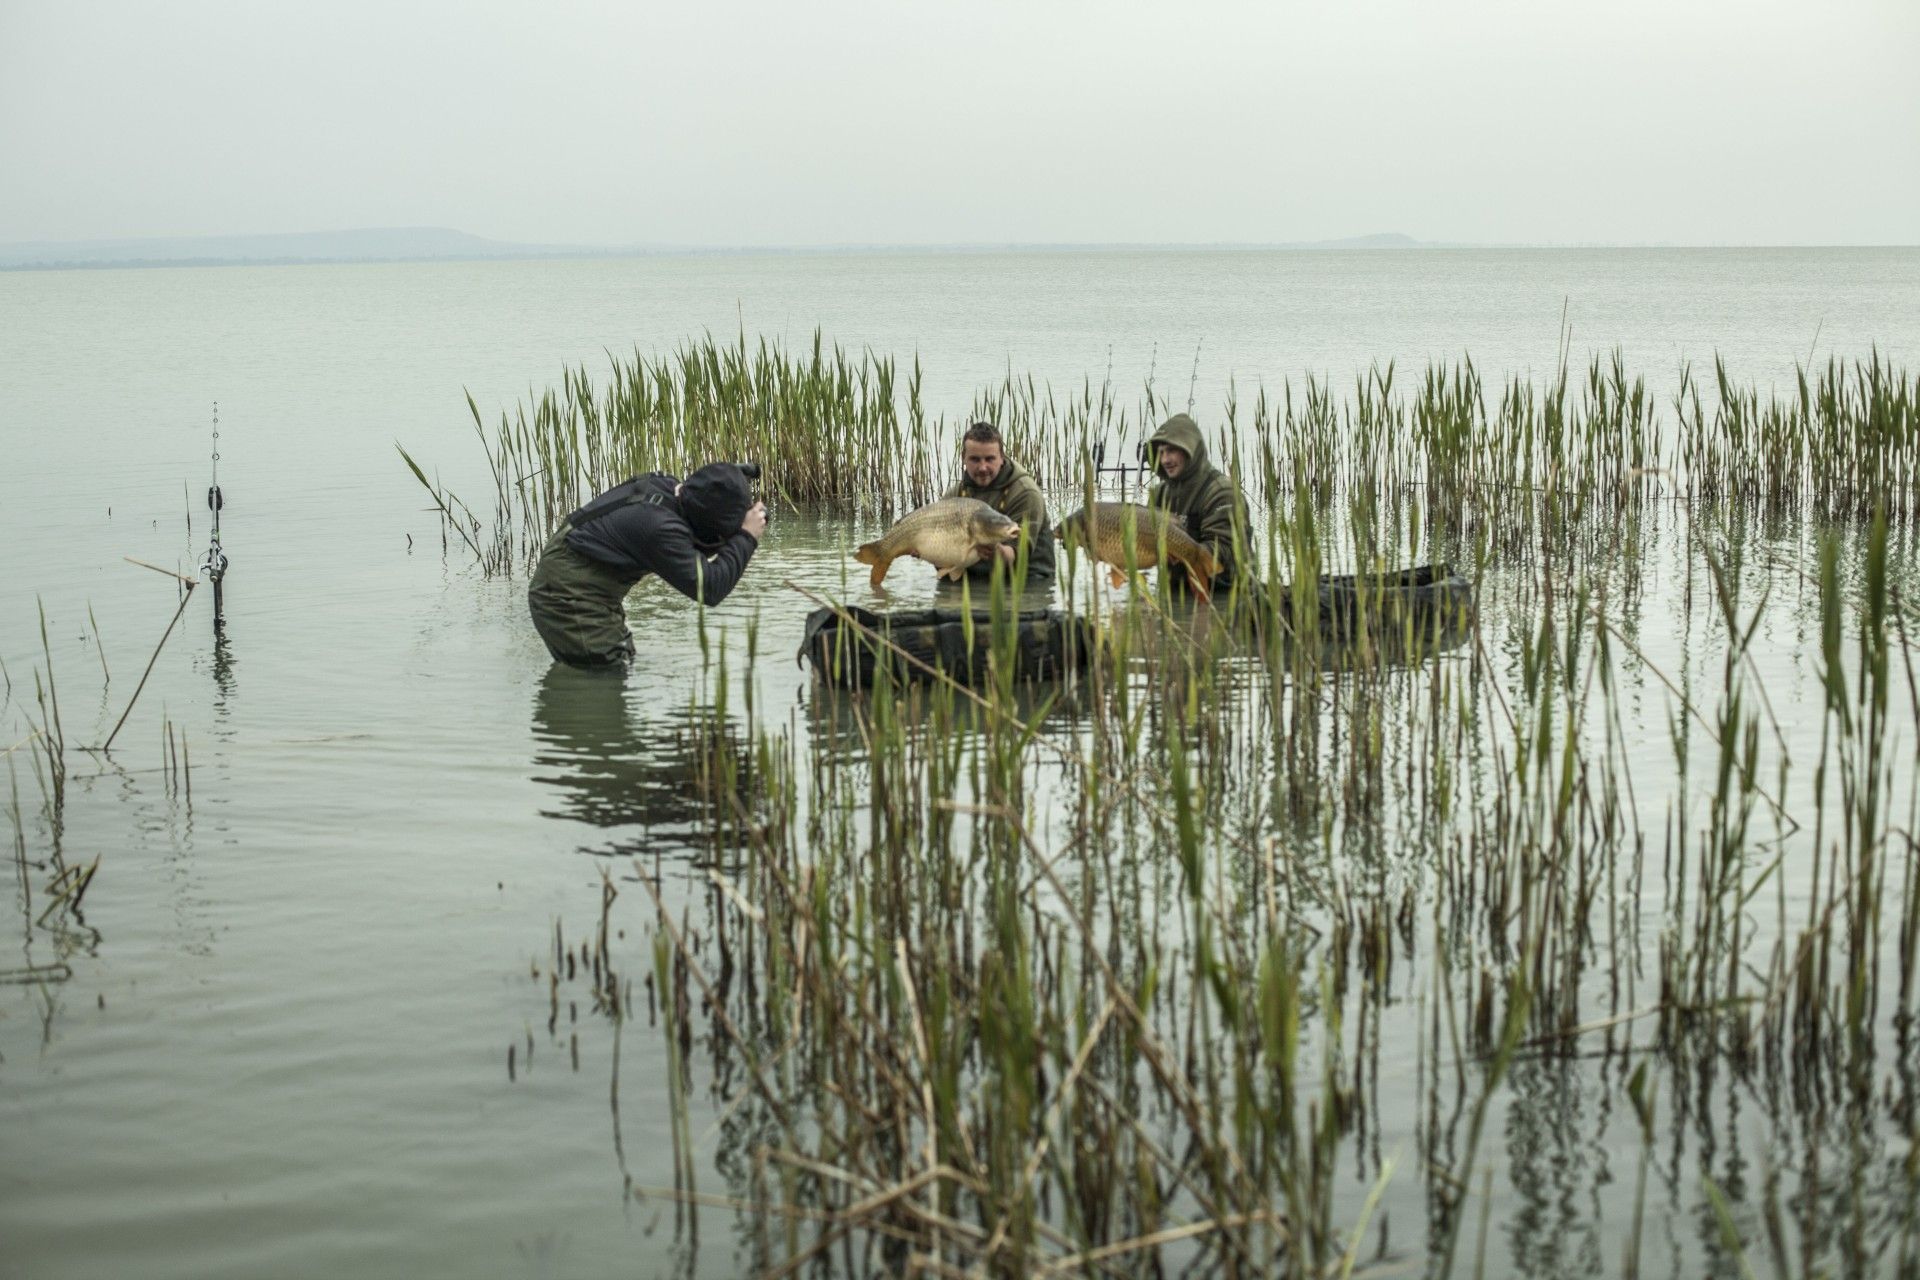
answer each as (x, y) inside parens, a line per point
(1202, 568)
(874, 553)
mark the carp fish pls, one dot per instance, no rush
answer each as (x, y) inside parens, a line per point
(1126, 535)
(951, 535)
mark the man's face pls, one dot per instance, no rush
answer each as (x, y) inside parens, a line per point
(982, 462)
(1172, 461)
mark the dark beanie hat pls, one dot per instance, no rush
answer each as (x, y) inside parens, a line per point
(715, 500)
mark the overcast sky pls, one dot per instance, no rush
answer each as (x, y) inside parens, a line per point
(861, 122)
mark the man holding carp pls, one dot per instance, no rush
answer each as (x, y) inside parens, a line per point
(698, 536)
(979, 526)
(1194, 524)
(1204, 498)
(988, 474)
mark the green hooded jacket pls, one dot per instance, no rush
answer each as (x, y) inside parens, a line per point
(1016, 495)
(1205, 498)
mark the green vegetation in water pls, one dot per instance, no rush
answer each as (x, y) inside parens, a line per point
(847, 434)
(1129, 973)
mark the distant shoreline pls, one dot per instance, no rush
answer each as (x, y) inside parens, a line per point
(544, 254)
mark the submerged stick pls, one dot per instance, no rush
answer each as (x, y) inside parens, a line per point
(188, 595)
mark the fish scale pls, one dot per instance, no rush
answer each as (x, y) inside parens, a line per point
(951, 535)
(1127, 536)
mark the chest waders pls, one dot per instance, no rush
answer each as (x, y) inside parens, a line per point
(577, 603)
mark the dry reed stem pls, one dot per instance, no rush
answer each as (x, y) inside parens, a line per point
(173, 622)
(1154, 1240)
(1127, 783)
(1171, 1078)
(1052, 1118)
(718, 1007)
(1778, 808)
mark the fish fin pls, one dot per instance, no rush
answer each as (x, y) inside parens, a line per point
(953, 573)
(1202, 568)
(1116, 577)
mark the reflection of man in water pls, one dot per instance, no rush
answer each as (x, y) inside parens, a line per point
(612, 766)
(696, 536)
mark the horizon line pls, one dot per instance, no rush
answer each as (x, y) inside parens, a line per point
(46, 255)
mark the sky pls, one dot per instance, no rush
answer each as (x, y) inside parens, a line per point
(834, 122)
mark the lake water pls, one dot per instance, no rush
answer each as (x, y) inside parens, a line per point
(280, 1044)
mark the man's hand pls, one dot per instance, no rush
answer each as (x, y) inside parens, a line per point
(756, 521)
(1007, 553)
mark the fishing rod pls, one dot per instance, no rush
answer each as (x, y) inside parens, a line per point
(214, 566)
(1137, 475)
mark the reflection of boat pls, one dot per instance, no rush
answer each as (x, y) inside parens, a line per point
(841, 719)
(846, 645)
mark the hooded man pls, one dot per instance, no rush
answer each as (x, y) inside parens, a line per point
(695, 535)
(1192, 488)
(987, 473)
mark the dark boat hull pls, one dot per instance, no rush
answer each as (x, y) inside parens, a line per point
(848, 646)
(1414, 613)
(1431, 600)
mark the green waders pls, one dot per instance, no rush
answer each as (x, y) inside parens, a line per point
(578, 606)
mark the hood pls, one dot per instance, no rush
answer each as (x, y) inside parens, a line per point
(1182, 432)
(715, 500)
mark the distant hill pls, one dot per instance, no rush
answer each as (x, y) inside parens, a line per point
(375, 244)
(1379, 240)
(444, 244)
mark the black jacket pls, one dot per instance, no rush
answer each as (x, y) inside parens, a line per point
(636, 529)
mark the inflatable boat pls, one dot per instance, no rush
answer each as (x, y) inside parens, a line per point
(846, 645)
(1431, 599)
(1412, 614)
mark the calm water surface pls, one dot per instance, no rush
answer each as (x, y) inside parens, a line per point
(282, 1049)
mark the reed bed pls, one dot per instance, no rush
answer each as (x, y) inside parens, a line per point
(827, 426)
(1111, 978)
(50, 889)
(1140, 973)
(1514, 470)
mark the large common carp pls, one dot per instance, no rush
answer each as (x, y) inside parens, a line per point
(1126, 535)
(950, 535)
